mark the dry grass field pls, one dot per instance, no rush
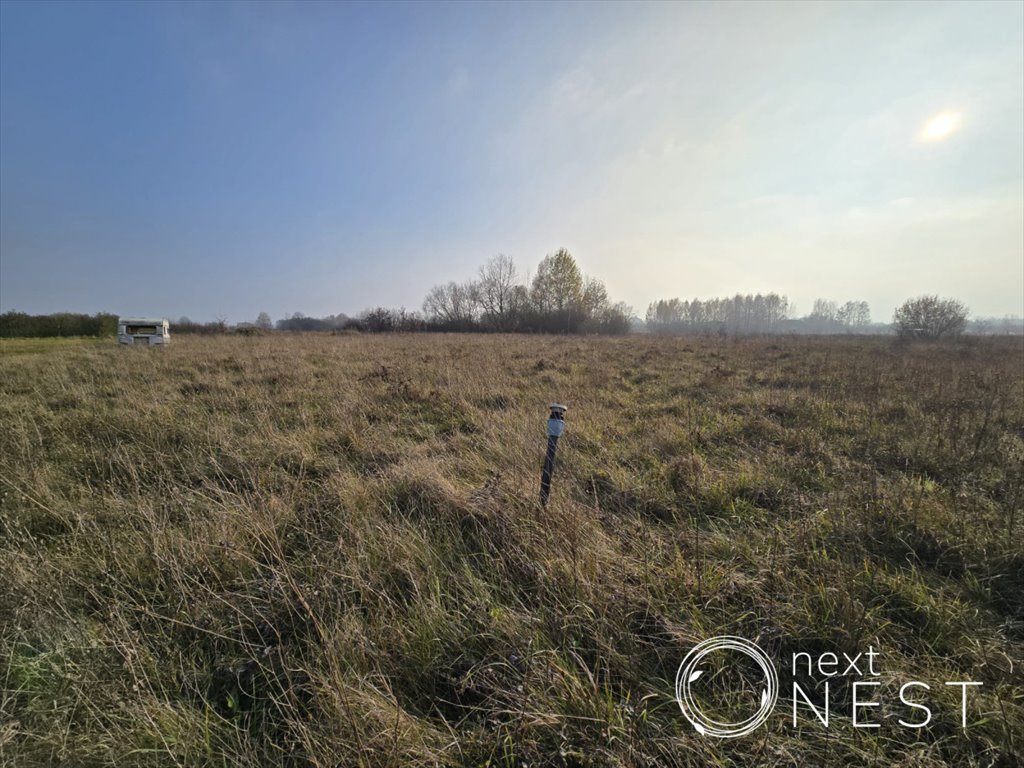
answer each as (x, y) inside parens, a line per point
(318, 550)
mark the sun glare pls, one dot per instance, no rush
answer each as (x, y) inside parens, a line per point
(940, 127)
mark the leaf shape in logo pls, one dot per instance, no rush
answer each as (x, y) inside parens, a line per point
(764, 696)
(695, 675)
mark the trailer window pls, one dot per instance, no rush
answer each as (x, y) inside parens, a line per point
(141, 330)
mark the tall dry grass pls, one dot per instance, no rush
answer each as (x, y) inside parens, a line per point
(327, 550)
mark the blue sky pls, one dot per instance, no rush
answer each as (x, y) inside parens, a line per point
(225, 159)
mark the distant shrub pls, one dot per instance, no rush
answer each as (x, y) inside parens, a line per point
(929, 317)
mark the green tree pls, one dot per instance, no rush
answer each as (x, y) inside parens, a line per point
(557, 292)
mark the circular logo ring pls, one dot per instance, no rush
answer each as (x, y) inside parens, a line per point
(688, 673)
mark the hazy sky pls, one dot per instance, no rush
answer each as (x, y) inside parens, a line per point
(220, 159)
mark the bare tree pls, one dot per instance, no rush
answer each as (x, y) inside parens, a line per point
(594, 300)
(854, 315)
(497, 291)
(775, 308)
(454, 305)
(263, 321)
(929, 317)
(823, 316)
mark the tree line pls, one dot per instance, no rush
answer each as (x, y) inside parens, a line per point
(557, 299)
(736, 315)
(560, 299)
(924, 317)
(742, 315)
(19, 324)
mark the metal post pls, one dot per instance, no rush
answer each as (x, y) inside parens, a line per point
(556, 425)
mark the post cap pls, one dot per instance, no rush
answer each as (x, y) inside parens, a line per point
(556, 421)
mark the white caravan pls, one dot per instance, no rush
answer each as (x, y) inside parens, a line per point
(150, 331)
